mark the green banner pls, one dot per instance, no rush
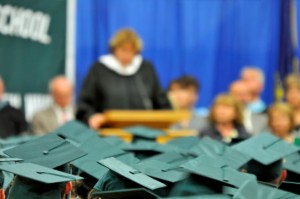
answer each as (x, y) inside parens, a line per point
(32, 43)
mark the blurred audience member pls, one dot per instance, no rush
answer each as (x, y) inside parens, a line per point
(254, 123)
(61, 111)
(281, 121)
(122, 79)
(293, 96)
(12, 120)
(184, 94)
(226, 120)
(254, 79)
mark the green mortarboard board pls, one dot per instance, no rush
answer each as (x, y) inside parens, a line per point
(97, 149)
(6, 177)
(185, 142)
(292, 164)
(2, 154)
(268, 192)
(208, 167)
(114, 140)
(248, 189)
(75, 132)
(142, 146)
(211, 196)
(126, 194)
(141, 132)
(293, 187)
(16, 140)
(161, 170)
(265, 148)
(218, 150)
(173, 158)
(49, 151)
(39, 173)
(131, 173)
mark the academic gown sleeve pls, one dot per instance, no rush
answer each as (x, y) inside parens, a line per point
(88, 100)
(159, 97)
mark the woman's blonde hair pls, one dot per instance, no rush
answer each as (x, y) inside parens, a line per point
(126, 35)
(282, 108)
(228, 100)
(292, 81)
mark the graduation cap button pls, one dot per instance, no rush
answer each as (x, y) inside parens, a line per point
(135, 172)
(46, 152)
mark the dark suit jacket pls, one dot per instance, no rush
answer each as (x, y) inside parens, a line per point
(12, 122)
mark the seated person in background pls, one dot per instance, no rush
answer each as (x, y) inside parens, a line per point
(12, 120)
(281, 121)
(184, 93)
(60, 112)
(293, 96)
(254, 79)
(254, 123)
(226, 120)
(120, 80)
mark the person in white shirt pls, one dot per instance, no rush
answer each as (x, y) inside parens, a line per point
(254, 123)
(60, 112)
(254, 78)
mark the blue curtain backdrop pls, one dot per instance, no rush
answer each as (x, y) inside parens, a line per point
(210, 39)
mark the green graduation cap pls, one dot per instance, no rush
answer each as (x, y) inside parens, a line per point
(35, 181)
(114, 140)
(267, 152)
(211, 196)
(161, 170)
(265, 148)
(131, 173)
(49, 151)
(75, 132)
(97, 149)
(16, 140)
(142, 132)
(248, 189)
(292, 164)
(173, 158)
(208, 167)
(126, 194)
(185, 142)
(144, 146)
(39, 173)
(218, 150)
(6, 177)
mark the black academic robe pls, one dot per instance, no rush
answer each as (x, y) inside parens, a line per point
(104, 89)
(12, 122)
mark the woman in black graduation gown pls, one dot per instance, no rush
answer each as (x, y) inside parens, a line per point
(120, 80)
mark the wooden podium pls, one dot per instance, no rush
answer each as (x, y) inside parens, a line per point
(154, 119)
(118, 119)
